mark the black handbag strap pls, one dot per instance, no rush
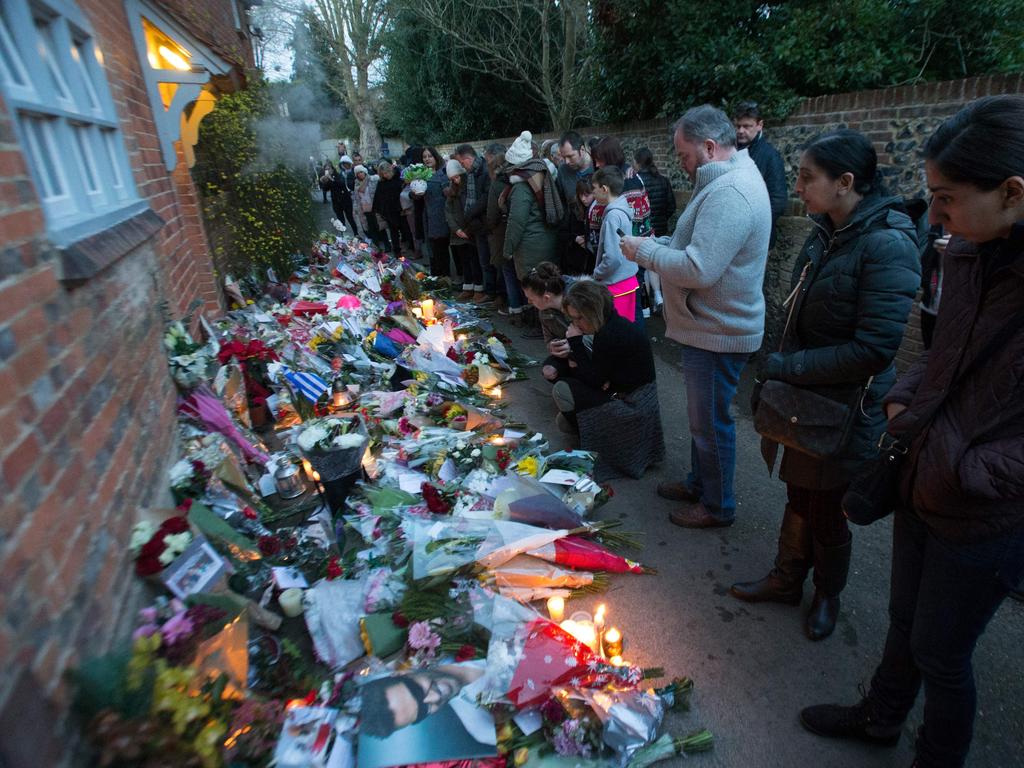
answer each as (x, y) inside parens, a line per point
(1015, 323)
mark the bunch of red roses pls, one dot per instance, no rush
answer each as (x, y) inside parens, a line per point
(252, 356)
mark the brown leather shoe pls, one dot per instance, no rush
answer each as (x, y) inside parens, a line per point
(697, 516)
(677, 491)
(465, 296)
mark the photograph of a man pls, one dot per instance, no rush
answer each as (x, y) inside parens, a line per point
(428, 715)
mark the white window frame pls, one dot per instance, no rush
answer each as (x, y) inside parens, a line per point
(86, 108)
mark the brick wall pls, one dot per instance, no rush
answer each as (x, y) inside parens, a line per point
(897, 120)
(87, 413)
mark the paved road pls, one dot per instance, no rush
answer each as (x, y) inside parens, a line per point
(753, 667)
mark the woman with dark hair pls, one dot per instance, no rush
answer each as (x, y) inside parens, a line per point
(854, 285)
(663, 205)
(958, 530)
(544, 287)
(435, 222)
(659, 191)
(611, 396)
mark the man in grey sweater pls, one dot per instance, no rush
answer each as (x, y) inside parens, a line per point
(712, 270)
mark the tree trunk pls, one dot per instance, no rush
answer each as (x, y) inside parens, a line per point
(369, 136)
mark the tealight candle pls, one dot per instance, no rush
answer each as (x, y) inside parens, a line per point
(290, 601)
(616, 661)
(496, 393)
(556, 609)
(613, 642)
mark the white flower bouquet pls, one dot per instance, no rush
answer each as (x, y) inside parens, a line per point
(333, 446)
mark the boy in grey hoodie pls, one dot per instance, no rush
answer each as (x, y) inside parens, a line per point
(611, 267)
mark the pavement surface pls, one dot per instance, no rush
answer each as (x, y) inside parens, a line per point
(753, 668)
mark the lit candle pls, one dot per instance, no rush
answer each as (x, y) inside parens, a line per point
(497, 440)
(417, 313)
(427, 306)
(290, 601)
(308, 468)
(616, 661)
(556, 609)
(613, 642)
(599, 618)
(583, 631)
(462, 337)
(496, 393)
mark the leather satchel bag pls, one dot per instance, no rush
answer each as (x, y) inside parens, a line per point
(806, 420)
(801, 418)
(874, 489)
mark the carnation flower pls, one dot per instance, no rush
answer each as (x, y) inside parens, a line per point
(141, 533)
(310, 436)
(465, 653)
(148, 565)
(176, 524)
(423, 638)
(348, 440)
(146, 630)
(176, 628)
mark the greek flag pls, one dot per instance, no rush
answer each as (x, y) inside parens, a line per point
(309, 384)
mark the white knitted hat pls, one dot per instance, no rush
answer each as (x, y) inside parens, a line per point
(521, 149)
(453, 168)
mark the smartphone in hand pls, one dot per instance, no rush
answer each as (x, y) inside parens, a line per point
(619, 232)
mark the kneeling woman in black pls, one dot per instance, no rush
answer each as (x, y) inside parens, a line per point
(611, 396)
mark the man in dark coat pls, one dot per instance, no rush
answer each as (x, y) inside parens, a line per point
(750, 136)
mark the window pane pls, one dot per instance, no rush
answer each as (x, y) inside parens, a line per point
(90, 176)
(109, 139)
(44, 157)
(48, 53)
(78, 54)
(11, 69)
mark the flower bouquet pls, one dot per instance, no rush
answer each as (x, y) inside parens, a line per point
(416, 176)
(335, 448)
(189, 360)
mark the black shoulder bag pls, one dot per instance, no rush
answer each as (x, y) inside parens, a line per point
(874, 490)
(800, 418)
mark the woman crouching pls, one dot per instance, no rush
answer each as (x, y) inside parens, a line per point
(610, 395)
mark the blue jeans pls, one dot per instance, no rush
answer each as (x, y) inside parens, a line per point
(711, 381)
(941, 598)
(516, 297)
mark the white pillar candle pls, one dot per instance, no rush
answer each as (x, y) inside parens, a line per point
(290, 601)
(556, 609)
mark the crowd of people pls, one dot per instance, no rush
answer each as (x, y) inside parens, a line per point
(572, 242)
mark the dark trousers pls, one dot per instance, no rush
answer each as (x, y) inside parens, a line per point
(472, 274)
(343, 212)
(941, 599)
(398, 232)
(823, 511)
(483, 252)
(441, 258)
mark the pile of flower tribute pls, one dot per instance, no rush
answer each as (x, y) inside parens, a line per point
(369, 564)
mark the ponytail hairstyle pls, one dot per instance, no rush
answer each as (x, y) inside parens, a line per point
(643, 159)
(847, 151)
(544, 278)
(981, 144)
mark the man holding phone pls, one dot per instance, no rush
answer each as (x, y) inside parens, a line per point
(712, 270)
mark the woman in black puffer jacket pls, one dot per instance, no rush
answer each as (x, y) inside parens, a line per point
(659, 191)
(854, 285)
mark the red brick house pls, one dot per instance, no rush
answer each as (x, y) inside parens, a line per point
(101, 244)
